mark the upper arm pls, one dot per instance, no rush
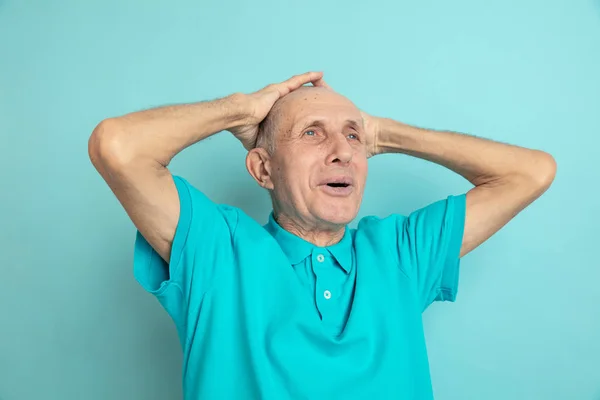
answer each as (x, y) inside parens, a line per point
(184, 240)
(144, 188)
(492, 205)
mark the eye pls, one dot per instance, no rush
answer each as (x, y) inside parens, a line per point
(355, 136)
(310, 133)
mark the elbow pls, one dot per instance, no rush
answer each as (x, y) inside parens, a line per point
(104, 143)
(544, 170)
(537, 176)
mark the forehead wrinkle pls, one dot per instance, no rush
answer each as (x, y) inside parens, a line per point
(322, 122)
(293, 106)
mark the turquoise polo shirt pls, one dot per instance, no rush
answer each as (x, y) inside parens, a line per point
(264, 314)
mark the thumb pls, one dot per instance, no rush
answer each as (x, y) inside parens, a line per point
(272, 95)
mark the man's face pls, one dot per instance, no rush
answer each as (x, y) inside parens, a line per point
(319, 167)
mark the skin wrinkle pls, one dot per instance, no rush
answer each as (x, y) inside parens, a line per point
(290, 164)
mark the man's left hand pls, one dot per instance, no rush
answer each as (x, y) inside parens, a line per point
(371, 125)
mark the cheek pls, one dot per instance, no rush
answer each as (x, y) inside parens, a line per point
(362, 168)
(291, 176)
(299, 166)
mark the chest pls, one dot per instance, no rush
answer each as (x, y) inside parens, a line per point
(282, 325)
(321, 300)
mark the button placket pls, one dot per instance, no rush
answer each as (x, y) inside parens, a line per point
(326, 293)
(323, 294)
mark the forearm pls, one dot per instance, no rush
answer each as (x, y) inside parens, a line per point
(159, 134)
(478, 160)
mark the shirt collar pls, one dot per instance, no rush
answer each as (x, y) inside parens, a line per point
(297, 249)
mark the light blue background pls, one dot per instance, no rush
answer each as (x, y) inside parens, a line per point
(75, 324)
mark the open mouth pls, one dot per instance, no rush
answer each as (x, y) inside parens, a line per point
(338, 189)
(338, 185)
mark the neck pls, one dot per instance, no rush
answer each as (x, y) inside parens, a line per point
(321, 235)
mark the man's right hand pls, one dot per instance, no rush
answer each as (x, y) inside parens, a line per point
(257, 105)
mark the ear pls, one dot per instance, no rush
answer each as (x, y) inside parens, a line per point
(258, 164)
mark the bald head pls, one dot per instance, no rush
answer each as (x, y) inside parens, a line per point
(285, 110)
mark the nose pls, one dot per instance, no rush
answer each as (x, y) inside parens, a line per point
(340, 150)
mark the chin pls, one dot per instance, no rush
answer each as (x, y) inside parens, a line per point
(338, 215)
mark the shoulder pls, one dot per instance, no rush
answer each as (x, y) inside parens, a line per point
(431, 218)
(199, 209)
(378, 232)
(377, 224)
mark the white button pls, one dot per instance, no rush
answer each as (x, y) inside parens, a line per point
(327, 294)
(320, 258)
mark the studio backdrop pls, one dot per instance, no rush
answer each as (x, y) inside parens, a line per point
(74, 323)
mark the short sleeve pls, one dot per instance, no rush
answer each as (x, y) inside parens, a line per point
(201, 245)
(429, 243)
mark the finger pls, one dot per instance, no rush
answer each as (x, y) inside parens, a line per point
(321, 83)
(271, 89)
(307, 77)
(298, 80)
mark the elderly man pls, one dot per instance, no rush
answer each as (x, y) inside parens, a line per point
(304, 307)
